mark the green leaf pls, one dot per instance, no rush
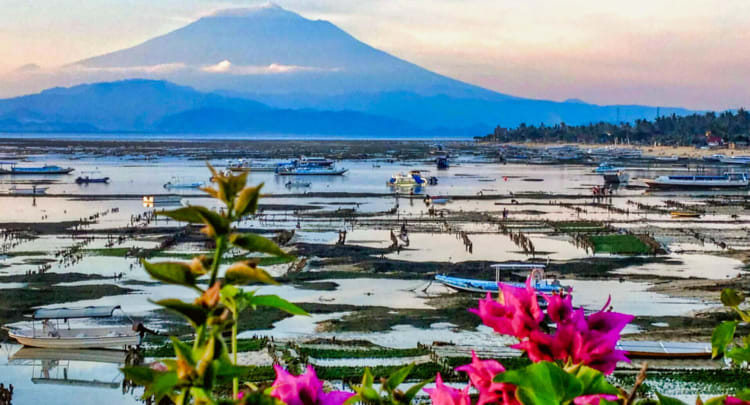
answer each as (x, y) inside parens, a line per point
(186, 214)
(196, 314)
(665, 400)
(183, 351)
(274, 301)
(716, 400)
(415, 389)
(542, 383)
(171, 272)
(247, 201)
(246, 273)
(739, 354)
(140, 375)
(398, 376)
(164, 384)
(218, 224)
(744, 394)
(256, 243)
(594, 382)
(722, 336)
(731, 297)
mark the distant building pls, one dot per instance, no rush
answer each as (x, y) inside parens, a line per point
(713, 141)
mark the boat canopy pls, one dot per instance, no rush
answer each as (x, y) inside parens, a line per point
(518, 266)
(72, 313)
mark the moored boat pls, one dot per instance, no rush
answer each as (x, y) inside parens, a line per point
(289, 170)
(176, 183)
(315, 161)
(481, 286)
(46, 169)
(726, 180)
(665, 350)
(411, 179)
(442, 162)
(685, 214)
(51, 335)
(87, 179)
(736, 160)
(243, 165)
(33, 190)
(606, 167)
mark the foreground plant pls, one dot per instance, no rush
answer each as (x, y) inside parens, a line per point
(206, 364)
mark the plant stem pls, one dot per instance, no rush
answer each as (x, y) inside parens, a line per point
(218, 255)
(235, 380)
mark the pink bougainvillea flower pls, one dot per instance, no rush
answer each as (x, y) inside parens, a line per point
(305, 389)
(445, 395)
(730, 400)
(593, 399)
(598, 351)
(481, 373)
(495, 315)
(516, 311)
(559, 307)
(607, 322)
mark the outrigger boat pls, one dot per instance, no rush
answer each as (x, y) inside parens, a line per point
(175, 183)
(473, 285)
(46, 169)
(244, 165)
(33, 190)
(52, 335)
(607, 168)
(87, 180)
(727, 180)
(309, 171)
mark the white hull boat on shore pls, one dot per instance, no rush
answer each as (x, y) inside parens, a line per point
(727, 180)
(53, 335)
(27, 190)
(736, 160)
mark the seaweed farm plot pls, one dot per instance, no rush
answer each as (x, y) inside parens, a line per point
(361, 258)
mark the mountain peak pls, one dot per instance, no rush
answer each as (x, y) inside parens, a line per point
(264, 10)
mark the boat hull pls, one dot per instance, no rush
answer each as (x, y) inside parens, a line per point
(482, 286)
(695, 186)
(99, 342)
(16, 172)
(313, 173)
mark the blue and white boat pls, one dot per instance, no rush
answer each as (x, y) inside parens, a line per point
(294, 170)
(412, 179)
(605, 167)
(177, 183)
(46, 169)
(482, 286)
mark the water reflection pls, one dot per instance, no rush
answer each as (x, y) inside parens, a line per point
(79, 377)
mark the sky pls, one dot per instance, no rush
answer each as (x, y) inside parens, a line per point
(689, 53)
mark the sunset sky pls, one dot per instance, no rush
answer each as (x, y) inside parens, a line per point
(690, 53)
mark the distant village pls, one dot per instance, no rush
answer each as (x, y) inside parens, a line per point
(710, 130)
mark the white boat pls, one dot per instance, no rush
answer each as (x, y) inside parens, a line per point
(411, 179)
(714, 158)
(315, 161)
(606, 167)
(177, 183)
(727, 180)
(672, 158)
(52, 335)
(297, 184)
(33, 190)
(243, 165)
(736, 160)
(289, 170)
(620, 176)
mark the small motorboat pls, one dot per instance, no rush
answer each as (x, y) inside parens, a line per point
(412, 179)
(673, 158)
(607, 168)
(33, 190)
(685, 214)
(297, 184)
(52, 335)
(685, 182)
(176, 183)
(482, 286)
(87, 180)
